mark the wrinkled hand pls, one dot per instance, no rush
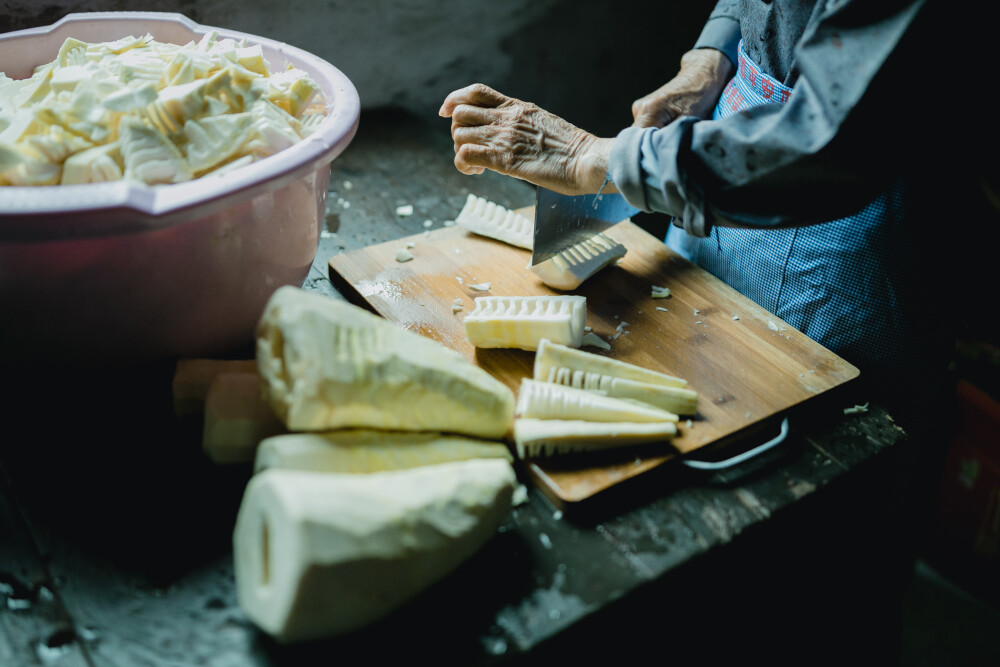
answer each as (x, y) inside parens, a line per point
(516, 138)
(694, 91)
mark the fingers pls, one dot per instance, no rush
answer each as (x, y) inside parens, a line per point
(472, 109)
(467, 169)
(651, 111)
(478, 134)
(472, 149)
(477, 95)
(475, 159)
(471, 116)
(470, 146)
(644, 119)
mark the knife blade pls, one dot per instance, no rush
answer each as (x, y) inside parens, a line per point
(562, 221)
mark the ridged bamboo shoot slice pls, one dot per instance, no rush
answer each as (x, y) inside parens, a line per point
(489, 219)
(546, 400)
(680, 400)
(612, 377)
(523, 321)
(367, 451)
(569, 268)
(552, 354)
(550, 437)
(327, 364)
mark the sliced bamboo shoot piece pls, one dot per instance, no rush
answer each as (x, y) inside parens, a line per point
(550, 437)
(489, 219)
(523, 321)
(319, 554)
(612, 377)
(680, 400)
(192, 378)
(545, 400)
(237, 418)
(551, 354)
(366, 451)
(327, 364)
(569, 268)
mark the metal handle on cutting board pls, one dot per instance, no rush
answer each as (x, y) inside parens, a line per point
(745, 456)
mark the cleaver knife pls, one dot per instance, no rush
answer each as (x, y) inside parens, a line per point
(565, 220)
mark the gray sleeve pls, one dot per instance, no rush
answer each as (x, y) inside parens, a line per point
(809, 160)
(722, 29)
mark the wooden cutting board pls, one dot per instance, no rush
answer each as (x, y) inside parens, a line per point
(747, 365)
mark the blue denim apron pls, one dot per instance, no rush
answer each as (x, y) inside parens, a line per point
(838, 282)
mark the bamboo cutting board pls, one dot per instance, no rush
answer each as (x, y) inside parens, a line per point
(747, 365)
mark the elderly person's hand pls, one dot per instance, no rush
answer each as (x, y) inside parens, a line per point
(504, 134)
(694, 91)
